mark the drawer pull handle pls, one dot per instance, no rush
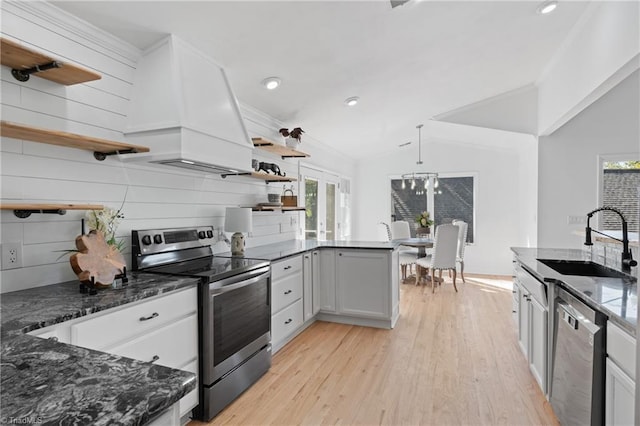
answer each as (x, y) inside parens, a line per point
(287, 292)
(288, 321)
(152, 316)
(287, 267)
(315, 254)
(154, 359)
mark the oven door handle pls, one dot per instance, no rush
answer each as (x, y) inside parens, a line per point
(219, 288)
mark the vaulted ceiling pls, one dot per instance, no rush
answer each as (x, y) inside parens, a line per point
(407, 64)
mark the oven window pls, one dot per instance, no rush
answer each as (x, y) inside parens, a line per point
(240, 317)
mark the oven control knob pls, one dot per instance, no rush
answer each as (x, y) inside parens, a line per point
(157, 239)
(209, 234)
(146, 240)
(201, 234)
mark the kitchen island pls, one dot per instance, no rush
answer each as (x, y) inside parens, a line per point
(349, 282)
(51, 382)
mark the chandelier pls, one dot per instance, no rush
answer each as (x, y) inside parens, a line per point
(424, 178)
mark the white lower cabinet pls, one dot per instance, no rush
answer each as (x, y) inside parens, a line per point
(532, 322)
(311, 282)
(287, 306)
(163, 330)
(327, 279)
(620, 377)
(362, 283)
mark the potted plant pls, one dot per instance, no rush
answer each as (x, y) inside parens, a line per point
(293, 137)
(424, 222)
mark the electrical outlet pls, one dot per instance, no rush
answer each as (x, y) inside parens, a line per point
(11, 255)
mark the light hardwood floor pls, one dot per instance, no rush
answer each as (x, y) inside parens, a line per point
(453, 359)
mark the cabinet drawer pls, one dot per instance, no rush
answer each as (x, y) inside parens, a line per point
(621, 348)
(537, 289)
(174, 345)
(111, 328)
(282, 268)
(286, 291)
(286, 322)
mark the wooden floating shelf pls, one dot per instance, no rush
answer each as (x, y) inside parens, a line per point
(264, 176)
(24, 61)
(100, 147)
(24, 210)
(274, 208)
(281, 150)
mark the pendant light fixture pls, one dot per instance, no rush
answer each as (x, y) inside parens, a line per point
(425, 176)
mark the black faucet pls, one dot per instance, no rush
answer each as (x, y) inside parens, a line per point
(627, 258)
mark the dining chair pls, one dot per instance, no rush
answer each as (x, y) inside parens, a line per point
(444, 254)
(463, 228)
(407, 257)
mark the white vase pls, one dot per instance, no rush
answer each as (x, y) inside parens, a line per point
(291, 143)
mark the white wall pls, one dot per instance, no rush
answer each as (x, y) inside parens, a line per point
(568, 162)
(156, 196)
(602, 49)
(496, 156)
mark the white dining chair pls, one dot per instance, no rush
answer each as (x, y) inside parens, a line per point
(444, 254)
(463, 228)
(407, 257)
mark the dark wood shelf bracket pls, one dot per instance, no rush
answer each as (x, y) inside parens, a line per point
(101, 156)
(23, 214)
(23, 75)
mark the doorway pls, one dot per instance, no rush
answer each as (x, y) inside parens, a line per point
(320, 191)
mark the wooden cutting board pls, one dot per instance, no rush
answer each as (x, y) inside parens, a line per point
(97, 259)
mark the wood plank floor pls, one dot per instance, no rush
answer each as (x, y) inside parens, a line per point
(453, 359)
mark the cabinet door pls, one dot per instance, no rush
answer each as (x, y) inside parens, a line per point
(515, 307)
(363, 283)
(307, 268)
(538, 343)
(315, 277)
(523, 321)
(327, 276)
(619, 396)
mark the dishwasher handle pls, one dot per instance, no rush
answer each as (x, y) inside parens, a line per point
(575, 320)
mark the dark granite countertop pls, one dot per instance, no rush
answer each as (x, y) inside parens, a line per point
(615, 297)
(284, 249)
(48, 382)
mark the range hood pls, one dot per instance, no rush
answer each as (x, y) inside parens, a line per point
(183, 108)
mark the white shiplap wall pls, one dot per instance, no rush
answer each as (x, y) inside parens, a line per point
(156, 196)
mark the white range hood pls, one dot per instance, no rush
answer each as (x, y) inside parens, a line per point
(182, 107)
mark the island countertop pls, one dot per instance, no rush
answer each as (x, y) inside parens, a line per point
(615, 297)
(44, 381)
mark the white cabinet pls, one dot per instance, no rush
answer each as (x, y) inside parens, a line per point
(163, 330)
(59, 332)
(530, 304)
(311, 280)
(363, 283)
(287, 305)
(327, 280)
(620, 377)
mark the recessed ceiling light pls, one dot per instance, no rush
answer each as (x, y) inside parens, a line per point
(351, 101)
(547, 7)
(271, 82)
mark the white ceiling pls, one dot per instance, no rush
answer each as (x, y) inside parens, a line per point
(406, 64)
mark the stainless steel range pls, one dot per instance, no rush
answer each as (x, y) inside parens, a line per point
(234, 309)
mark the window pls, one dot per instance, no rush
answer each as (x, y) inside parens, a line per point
(620, 183)
(453, 197)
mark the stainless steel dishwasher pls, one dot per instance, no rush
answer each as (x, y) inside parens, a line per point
(577, 384)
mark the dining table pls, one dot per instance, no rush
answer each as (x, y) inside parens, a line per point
(422, 244)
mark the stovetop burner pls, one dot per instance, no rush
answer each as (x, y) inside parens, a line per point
(213, 268)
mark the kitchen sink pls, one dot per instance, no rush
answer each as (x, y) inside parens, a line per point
(582, 268)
